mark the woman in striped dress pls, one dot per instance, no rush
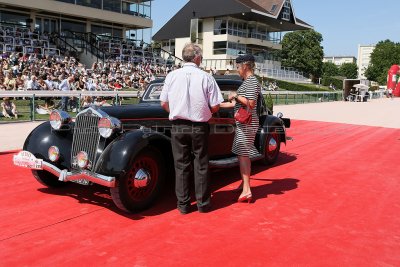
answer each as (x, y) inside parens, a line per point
(243, 143)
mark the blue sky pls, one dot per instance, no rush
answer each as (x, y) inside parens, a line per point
(344, 24)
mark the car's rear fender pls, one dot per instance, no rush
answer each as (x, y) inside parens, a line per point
(118, 155)
(270, 124)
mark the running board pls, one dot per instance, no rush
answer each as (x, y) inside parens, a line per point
(230, 162)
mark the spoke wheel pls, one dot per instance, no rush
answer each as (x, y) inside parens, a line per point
(138, 188)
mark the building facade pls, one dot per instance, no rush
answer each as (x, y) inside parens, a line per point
(228, 28)
(108, 17)
(340, 60)
(364, 58)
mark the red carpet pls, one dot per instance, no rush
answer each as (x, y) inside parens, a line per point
(332, 200)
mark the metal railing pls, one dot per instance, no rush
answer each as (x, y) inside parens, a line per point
(283, 74)
(295, 97)
(28, 101)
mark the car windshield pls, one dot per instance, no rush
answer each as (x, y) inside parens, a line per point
(153, 92)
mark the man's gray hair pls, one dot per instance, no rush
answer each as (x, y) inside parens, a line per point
(190, 51)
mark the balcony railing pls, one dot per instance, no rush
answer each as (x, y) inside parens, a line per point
(113, 6)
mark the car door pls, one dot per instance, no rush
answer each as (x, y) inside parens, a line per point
(222, 125)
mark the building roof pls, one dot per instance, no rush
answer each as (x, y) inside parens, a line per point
(265, 11)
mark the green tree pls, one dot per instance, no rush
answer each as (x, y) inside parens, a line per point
(303, 51)
(385, 54)
(330, 69)
(156, 44)
(349, 70)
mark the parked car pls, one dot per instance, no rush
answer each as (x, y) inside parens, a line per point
(128, 148)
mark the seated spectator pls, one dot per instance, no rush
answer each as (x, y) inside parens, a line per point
(92, 85)
(111, 84)
(127, 82)
(32, 83)
(42, 85)
(48, 107)
(49, 82)
(118, 84)
(9, 110)
(103, 86)
(87, 101)
(80, 84)
(9, 81)
(100, 102)
(19, 83)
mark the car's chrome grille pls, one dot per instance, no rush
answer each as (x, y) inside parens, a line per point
(86, 137)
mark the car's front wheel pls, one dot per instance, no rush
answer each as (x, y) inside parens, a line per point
(272, 146)
(139, 186)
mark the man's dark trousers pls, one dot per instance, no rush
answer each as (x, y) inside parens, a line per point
(187, 138)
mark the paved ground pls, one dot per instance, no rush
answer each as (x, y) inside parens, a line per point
(378, 112)
(12, 135)
(382, 112)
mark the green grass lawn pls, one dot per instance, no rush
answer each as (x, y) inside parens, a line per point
(290, 99)
(24, 109)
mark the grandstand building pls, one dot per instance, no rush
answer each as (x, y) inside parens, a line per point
(97, 27)
(110, 17)
(228, 28)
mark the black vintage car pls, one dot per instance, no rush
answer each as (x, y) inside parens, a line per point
(127, 148)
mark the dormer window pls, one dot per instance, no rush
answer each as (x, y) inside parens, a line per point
(273, 9)
(286, 10)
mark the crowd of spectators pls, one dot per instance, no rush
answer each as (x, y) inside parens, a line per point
(35, 72)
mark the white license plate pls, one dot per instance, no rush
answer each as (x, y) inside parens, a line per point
(27, 160)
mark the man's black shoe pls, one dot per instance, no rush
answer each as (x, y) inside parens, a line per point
(204, 209)
(184, 210)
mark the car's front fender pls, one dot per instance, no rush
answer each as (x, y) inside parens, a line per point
(118, 155)
(43, 137)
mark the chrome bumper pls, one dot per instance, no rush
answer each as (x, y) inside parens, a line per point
(27, 160)
(66, 176)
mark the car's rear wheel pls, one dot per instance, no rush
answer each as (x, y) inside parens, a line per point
(140, 185)
(48, 179)
(272, 146)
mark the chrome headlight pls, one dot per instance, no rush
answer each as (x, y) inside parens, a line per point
(108, 125)
(82, 159)
(58, 119)
(54, 153)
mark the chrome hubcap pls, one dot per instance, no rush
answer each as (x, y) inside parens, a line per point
(142, 178)
(272, 145)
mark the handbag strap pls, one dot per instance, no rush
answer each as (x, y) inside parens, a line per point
(247, 104)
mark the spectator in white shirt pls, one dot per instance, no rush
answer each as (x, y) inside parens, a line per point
(32, 83)
(65, 86)
(49, 82)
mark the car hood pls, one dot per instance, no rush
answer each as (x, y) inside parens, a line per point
(138, 111)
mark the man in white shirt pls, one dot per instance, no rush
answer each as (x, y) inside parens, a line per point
(49, 82)
(191, 95)
(65, 85)
(32, 83)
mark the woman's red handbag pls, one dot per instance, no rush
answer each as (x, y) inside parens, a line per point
(243, 115)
